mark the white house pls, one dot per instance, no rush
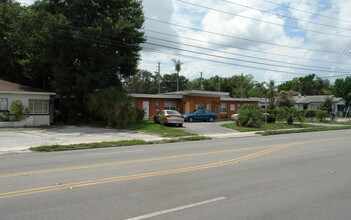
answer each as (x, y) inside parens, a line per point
(313, 103)
(37, 101)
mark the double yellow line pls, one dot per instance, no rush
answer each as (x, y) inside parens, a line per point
(139, 176)
(153, 174)
(98, 165)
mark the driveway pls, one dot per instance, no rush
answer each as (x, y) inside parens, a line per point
(20, 139)
(208, 128)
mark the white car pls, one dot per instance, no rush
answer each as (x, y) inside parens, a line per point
(169, 117)
(234, 117)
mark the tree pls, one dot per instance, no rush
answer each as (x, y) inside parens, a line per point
(307, 85)
(113, 104)
(271, 92)
(10, 42)
(249, 116)
(178, 68)
(285, 99)
(342, 88)
(76, 47)
(169, 82)
(142, 82)
(327, 105)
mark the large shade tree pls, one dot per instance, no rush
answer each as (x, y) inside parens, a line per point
(76, 47)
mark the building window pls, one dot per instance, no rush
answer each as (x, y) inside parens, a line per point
(157, 106)
(305, 106)
(39, 106)
(223, 108)
(239, 106)
(232, 107)
(3, 104)
(170, 105)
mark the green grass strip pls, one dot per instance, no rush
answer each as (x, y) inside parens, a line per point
(52, 148)
(314, 129)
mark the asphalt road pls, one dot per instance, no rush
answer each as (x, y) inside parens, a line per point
(296, 176)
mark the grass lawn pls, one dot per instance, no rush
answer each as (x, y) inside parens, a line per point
(153, 128)
(264, 127)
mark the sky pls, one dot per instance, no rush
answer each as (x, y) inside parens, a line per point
(269, 39)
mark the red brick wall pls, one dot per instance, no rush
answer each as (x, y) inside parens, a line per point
(152, 104)
(236, 110)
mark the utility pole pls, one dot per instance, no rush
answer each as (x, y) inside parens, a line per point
(201, 85)
(242, 85)
(159, 77)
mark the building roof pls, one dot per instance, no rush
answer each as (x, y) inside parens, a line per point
(227, 98)
(9, 87)
(315, 99)
(159, 96)
(199, 93)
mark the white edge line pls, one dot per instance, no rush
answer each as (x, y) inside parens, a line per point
(176, 209)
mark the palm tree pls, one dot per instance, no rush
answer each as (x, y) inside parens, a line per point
(271, 91)
(177, 67)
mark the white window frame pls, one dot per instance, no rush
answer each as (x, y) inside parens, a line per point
(6, 108)
(223, 108)
(170, 105)
(38, 106)
(157, 105)
(232, 107)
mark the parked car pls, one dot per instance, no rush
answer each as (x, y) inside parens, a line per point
(169, 117)
(234, 117)
(201, 115)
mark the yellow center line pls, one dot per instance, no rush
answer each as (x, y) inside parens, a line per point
(158, 173)
(97, 165)
(139, 176)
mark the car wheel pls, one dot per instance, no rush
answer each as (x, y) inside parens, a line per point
(211, 119)
(190, 119)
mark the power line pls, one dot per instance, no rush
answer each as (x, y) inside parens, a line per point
(241, 48)
(242, 55)
(260, 20)
(241, 60)
(285, 16)
(308, 12)
(245, 39)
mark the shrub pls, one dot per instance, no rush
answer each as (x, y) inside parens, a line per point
(322, 115)
(249, 116)
(4, 116)
(139, 114)
(114, 104)
(300, 115)
(271, 118)
(19, 111)
(310, 113)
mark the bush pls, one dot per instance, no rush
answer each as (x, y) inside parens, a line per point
(271, 118)
(4, 115)
(19, 111)
(114, 104)
(322, 115)
(139, 114)
(310, 114)
(300, 115)
(249, 116)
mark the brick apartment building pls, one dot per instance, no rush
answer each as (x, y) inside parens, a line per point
(189, 100)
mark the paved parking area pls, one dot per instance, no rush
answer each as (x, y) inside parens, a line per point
(20, 139)
(208, 128)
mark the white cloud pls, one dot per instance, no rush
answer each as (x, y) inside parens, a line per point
(226, 24)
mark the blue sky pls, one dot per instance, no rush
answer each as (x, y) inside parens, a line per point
(236, 39)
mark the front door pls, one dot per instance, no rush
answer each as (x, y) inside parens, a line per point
(146, 107)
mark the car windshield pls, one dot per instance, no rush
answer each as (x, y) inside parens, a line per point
(172, 112)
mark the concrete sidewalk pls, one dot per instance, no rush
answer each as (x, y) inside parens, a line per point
(21, 139)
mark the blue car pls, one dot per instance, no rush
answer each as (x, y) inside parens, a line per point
(201, 115)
